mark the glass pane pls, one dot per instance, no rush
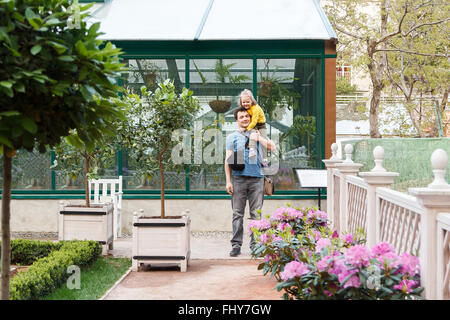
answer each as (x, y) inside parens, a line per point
(150, 72)
(217, 83)
(70, 175)
(30, 170)
(135, 169)
(289, 94)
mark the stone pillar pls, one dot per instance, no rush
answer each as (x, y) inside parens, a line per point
(330, 165)
(435, 198)
(377, 177)
(346, 168)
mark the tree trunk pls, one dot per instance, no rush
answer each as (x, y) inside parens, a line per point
(373, 113)
(6, 231)
(377, 86)
(161, 173)
(86, 179)
(409, 106)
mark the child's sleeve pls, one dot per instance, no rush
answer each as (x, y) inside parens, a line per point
(257, 117)
(253, 123)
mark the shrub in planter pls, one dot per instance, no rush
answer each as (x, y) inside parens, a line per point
(311, 261)
(358, 273)
(282, 235)
(48, 273)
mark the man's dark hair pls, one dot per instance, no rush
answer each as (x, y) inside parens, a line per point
(240, 109)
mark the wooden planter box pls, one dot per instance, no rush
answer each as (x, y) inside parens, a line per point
(93, 223)
(157, 241)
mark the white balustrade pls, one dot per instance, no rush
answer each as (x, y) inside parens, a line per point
(330, 165)
(346, 168)
(418, 223)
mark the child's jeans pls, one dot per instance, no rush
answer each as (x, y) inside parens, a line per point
(261, 127)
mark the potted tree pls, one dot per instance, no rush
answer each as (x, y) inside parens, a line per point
(163, 238)
(91, 221)
(49, 75)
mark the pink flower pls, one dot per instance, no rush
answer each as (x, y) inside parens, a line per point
(316, 214)
(322, 264)
(328, 293)
(322, 214)
(283, 226)
(278, 214)
(358, 256)
(409, 264)
(262, 224)
(318, 235)
(265, 238)
(335, 235)
(337, 265)
(293, 214)
(389, 259)
(406, 285)
(348, 238)
(353, 281)
(294, 269)
(322, 243)
(381, 248)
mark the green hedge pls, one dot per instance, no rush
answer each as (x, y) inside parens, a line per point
(48, 273)
(26, 252)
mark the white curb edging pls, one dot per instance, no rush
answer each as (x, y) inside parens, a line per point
(115, 284)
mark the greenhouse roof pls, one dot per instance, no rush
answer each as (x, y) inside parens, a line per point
(213, 20)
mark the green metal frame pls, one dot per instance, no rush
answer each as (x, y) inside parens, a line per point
(251, 49)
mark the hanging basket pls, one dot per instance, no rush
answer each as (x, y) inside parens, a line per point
(220, 106)
(265, 88)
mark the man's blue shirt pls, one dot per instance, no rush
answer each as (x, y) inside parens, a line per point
(236, 142)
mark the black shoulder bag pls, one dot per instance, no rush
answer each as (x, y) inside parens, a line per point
(236, 161)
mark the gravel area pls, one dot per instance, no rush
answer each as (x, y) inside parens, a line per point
(35, 235)
(54, 235)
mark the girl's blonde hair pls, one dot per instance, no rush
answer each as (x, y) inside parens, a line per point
(249, 94)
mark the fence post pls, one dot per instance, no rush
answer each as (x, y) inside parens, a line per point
(346, 168)
(330, 165)
(377, 177)
(434, 198)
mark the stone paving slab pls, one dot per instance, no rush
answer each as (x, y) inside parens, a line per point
(211, 275)
(204, 280)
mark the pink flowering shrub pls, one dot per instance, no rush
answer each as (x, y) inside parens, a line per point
(311, 261)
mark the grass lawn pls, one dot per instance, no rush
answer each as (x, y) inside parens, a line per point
(95, 280)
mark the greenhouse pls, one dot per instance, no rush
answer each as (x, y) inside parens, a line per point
(283, 51)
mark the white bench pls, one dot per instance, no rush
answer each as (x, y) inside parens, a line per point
(107, 190)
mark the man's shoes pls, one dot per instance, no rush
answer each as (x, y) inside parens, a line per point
(235, 252)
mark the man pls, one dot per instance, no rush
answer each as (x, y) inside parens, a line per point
(245, 184)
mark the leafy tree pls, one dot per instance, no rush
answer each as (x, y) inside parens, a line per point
(153, 119)
(54, 78)
(419, 69)
(374, 26)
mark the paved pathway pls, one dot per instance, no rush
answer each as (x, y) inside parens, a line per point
(212, 275)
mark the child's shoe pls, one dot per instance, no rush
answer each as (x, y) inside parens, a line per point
(252, 153)
(265, 163)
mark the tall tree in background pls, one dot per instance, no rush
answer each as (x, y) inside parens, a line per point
(419, 69)
(55, 76)
(374, 26)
